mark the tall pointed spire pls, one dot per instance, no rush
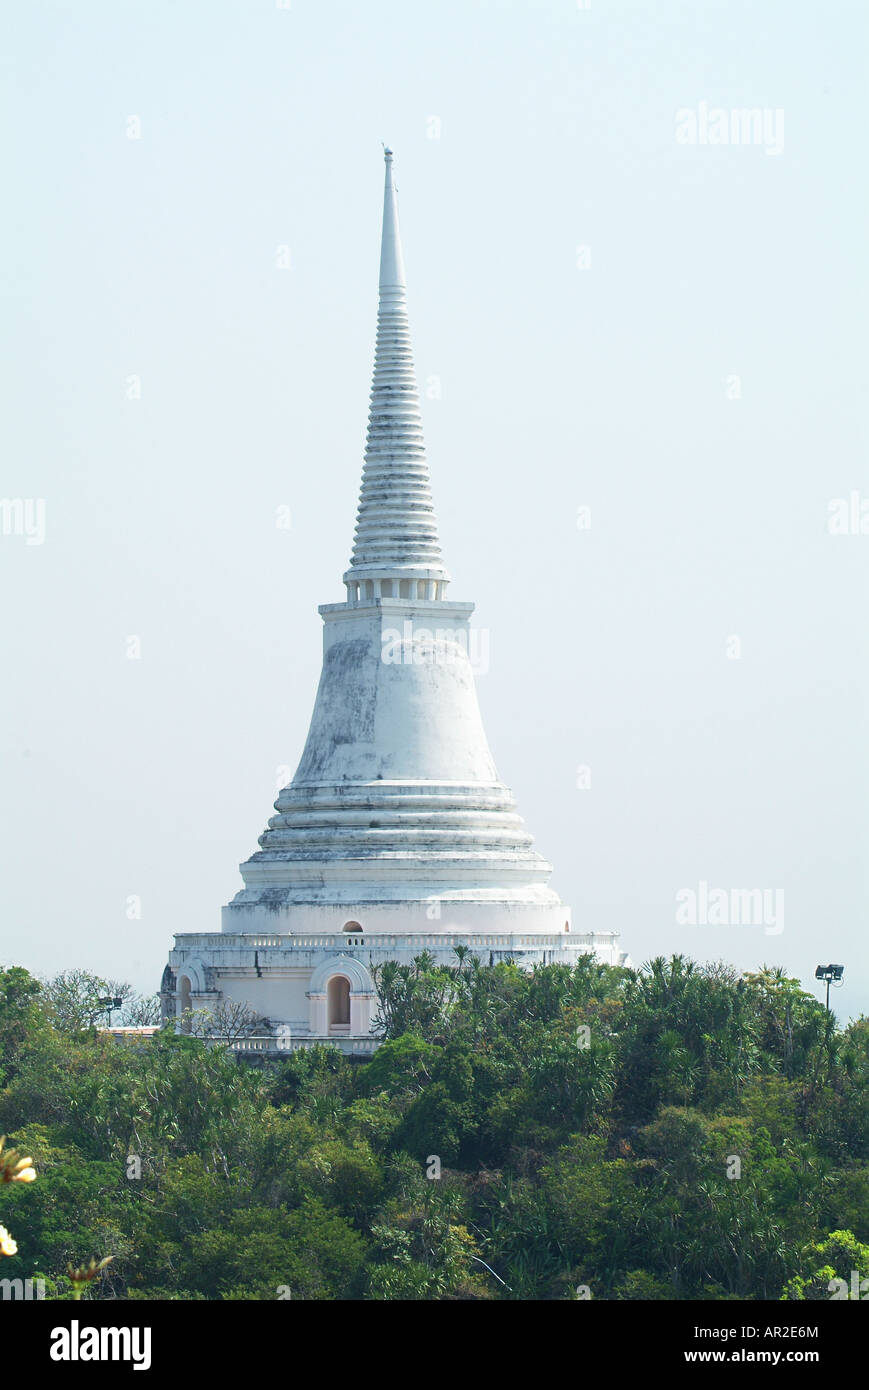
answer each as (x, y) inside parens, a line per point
(391, 259)
(396, 530)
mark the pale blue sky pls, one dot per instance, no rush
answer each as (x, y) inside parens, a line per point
(560, 387)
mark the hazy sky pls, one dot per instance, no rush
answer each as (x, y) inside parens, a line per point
(696, 377)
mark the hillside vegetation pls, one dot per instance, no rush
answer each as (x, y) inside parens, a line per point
(671, 1133)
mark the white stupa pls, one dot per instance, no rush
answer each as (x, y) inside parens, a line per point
(395, 835)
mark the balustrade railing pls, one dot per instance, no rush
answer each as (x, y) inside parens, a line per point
(281, 1042)
(382, 941)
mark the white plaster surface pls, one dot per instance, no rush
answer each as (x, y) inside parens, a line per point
(395, 818)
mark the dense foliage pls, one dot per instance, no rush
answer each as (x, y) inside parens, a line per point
(670, 1133)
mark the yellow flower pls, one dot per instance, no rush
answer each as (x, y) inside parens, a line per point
(7, 1245)
(13, 1168)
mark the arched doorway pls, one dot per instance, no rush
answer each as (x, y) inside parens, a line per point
(338, 1004)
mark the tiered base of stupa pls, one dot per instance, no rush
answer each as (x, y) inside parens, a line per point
(358, 866)
(351, 876)
(289, 977)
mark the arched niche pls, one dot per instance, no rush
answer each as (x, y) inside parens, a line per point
(338, 1004)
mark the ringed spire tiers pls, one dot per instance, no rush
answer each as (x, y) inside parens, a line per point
(396, 530)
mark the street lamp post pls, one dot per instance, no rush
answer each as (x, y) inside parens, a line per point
(830, 974)
(110, 1002)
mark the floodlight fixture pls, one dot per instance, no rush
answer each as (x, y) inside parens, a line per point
(830, 974)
